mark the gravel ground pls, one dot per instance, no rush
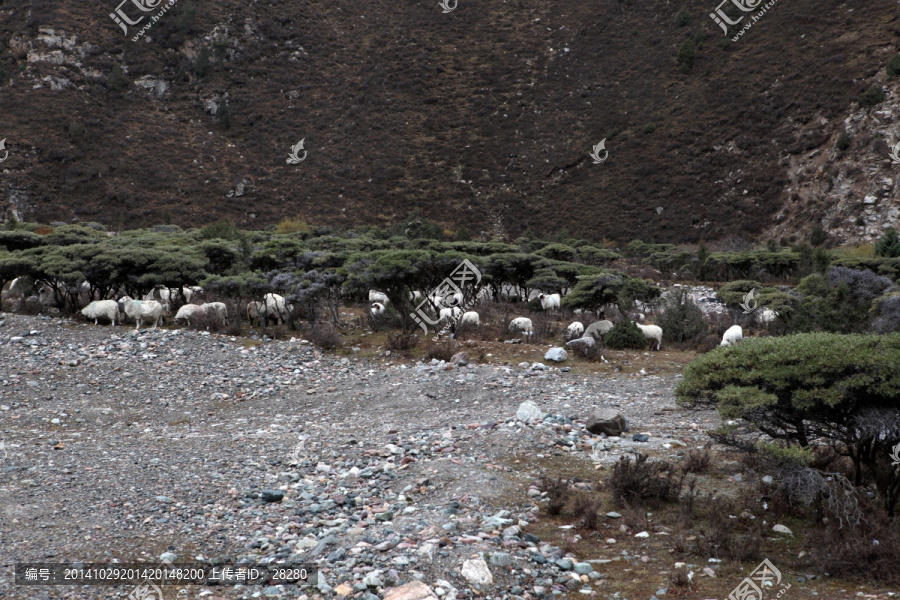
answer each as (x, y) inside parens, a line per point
(121, 446)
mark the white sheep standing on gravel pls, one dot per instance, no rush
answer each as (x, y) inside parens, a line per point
(522, 324)
(734, 334)
(187, 312)
(470, 318)
(377, 309)
(275, 307)
(144, 309)
(653, 333)
(105, 309)
(575, 330)
(219, 309)
(549, 302)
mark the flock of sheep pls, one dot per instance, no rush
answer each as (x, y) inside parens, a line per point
(160, 303)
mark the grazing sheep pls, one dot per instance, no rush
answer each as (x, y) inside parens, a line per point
(379, 297)
(734, 334)
(106, 309)
(766, 316)
(598, 329)
(256, 311)
(187, 312)
(652, 333)
(144, 309)
(217, 308)
(451, 314)
(470, 318)
(377, 309)
(549, 302)
(522, 324)
(575, 330)
(276, 308)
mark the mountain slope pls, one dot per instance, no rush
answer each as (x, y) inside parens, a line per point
(483, 114)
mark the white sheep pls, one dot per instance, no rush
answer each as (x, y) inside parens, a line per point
(144, 309)
(256, 311)
(379, 297)
(450, 314)
(734, 334)
(653, 333)
(470, 318)
(377, 309)
(276, 308)
(575, 330)
(549, 302)
(522, 324)
(217, 308)
(767, 316)
(598, 329)
(106, 309)
(188, 312)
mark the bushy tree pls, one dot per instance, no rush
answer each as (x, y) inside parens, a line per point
(888, 245)
(681, 320)
(801, 388)
(625, 335)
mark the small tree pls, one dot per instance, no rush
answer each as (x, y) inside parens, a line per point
(116, 81)
(685, 56)
(202, 65)
(871, 97)
(893, 66)
(683, 18)
(625, 335)
(682, 320)
(843, 141)
(889, 244)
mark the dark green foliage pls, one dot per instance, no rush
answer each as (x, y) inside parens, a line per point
(463, 235)
(683, 18)
(222, 229)
(893, 66)
(4, 76)
(223, 115)
(800, 388)
(547, 281)
(817, 237)
(649, 128)
(557, 252)
(889, 244)
(839, 301)
(19, 239)
(685, 56)
(609, 287)
(116, 81)
(843, 141)
(186, 18)
(625, 335)
(681, 320)
(202, 65)
(871, 97)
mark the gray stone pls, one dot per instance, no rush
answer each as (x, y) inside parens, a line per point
(606, 420)
(583, 568)
(556, 355)
(272, 495)
(460, 358)
(501, 559)
(476, 572)
(565, 564)
(614, 515)
(528, 411)
(168, 557)
(640, 437)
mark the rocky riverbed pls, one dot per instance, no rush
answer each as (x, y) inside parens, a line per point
(123, 446)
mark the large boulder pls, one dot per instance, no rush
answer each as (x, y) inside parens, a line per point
(582, 342)
(476, 572)
(460, 358)
(606, 420)
(415, 590)
(556, 354)
(529, 411)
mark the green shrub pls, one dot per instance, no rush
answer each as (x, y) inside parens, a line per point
(222, 229)
(799, 389)
(817, 237)
(871, 97)
(685, 56)
(116, 81)
(681, 320)
(625, 335)
(683, 18)
(889, 244)
(893, 66)
(649, 128)
(843, 141)
(202, 66)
